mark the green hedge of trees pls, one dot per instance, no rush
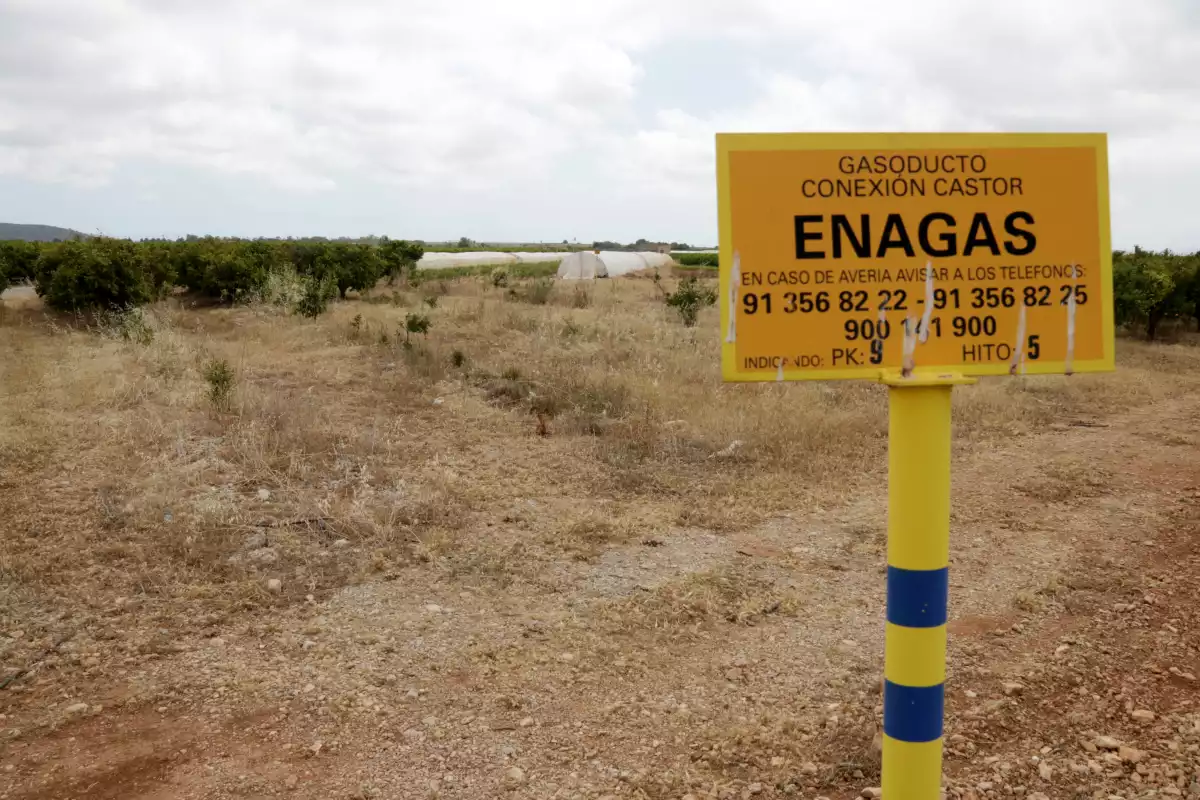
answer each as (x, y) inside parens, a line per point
(103, 273)
(1150, 288)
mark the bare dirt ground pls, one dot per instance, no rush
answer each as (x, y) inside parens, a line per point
(524, 558)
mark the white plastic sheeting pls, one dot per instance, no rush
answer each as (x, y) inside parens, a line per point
(613, 264)
(483, 259)
(582, 266)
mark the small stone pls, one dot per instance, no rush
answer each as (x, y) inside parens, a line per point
(777, 761)
(77, 708)
(263, 556)
(254, 541)
(1143, 715)
(437, 401)
(1130, 755)
(412, 694)
(341, 543)
(315, 748)
(872, 792)
(809, 768)
(308, 644)
(527, 722)
(275, 585)
(1012, 688)
(972, 694)
(754, 788)
(1045, 771)
(566, 658)
(1036, 796)
(515, 776)
(290, 782)
(264, 494)
(985, 786)
(1106, 743)
(433, 608)
(1061, 649)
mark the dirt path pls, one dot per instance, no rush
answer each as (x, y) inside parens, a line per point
(698, 664)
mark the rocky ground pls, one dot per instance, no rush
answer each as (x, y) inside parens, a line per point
(427, 686)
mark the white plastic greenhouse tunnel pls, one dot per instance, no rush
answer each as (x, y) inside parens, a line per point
(588, 265)
(483, 259)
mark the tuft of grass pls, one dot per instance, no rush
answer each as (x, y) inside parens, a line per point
(586, 538)
(580, 297)
(536, 293)
(705, 598)
(131, 325)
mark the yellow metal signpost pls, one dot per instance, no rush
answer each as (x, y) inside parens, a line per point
(921, 261)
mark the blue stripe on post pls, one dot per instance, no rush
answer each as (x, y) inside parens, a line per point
(917, 598)
(913, 713)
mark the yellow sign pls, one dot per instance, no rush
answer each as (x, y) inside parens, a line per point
(855, 255)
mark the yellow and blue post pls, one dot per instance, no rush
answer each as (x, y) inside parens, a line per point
(918, 583)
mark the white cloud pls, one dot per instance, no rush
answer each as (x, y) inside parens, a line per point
(471, 99)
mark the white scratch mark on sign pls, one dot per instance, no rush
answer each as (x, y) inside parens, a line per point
(779, 373)
(927, 316)
(1070, 331)
(910, 347)
(735, 276)
(1018, 359)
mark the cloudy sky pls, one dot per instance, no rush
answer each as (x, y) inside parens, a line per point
(546, 119)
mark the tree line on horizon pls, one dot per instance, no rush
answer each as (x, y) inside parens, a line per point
(1150, 288)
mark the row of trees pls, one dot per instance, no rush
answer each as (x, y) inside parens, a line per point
(1151, 288)
(102, 273)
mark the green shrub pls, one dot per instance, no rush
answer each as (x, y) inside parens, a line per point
(1152, 287)
(688, 298)
(232, 272)
(351, 266)
(698, 259)
(220, 378)
(415, 323)
(315, 296)
(158, 260)
(500, 277)
(18, 262)
(98, 274)
(399, 257)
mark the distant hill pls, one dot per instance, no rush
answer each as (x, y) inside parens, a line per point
(37, 233)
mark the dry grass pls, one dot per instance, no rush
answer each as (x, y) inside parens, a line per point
(122, 471)
(742, 597)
